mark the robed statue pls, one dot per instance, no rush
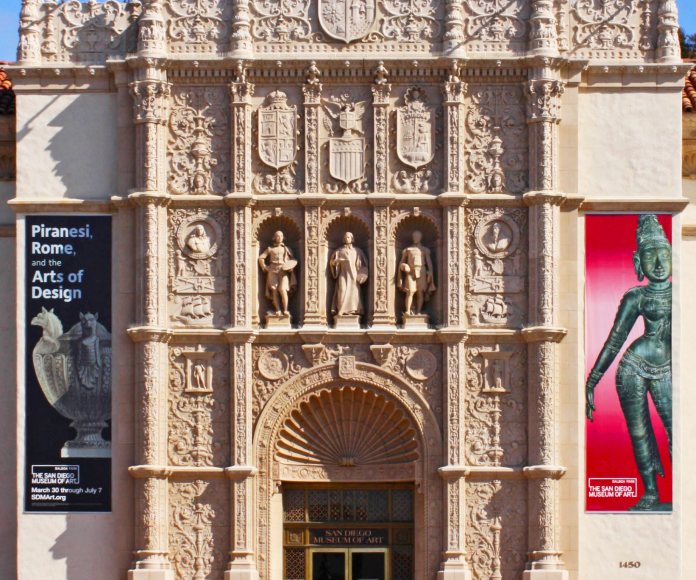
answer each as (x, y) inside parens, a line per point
(646, 366)
(348, 266)
(415, 275)
(278, 264)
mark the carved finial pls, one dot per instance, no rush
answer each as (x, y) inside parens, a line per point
(240, 72)
(454, 72)
(381, 73)
(313, 73)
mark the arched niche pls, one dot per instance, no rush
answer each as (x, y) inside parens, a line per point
(294, 239)
(401, 239)
(362, 238)
(283, 454)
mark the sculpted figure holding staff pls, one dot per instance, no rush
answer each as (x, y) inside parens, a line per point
(349, 268)
(278, 264)
(646, 366)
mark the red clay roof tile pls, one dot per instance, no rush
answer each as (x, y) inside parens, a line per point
(7, 97)
(689, 92)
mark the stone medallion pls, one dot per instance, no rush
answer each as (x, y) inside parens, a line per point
(273, 365)
(421, 365)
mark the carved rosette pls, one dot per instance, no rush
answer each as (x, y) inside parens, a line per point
(543, 117)
(240, 102)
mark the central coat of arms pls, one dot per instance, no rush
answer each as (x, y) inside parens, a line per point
(347, 152)
(347, 20)
(277, 131)
(415, 130)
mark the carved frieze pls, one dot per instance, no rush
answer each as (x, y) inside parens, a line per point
(198, 406)
(198, 266)
(496, 140)
(198, 26)
(497, 267)
(496, 25)
(199, 144)
(281, 21)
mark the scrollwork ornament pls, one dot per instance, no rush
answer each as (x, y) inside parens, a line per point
(495, 21)
(604, 26)
(197, 25)
(281, 21)
(412, 21)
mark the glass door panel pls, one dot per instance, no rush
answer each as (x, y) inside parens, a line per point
(329, 565)
(368, 565)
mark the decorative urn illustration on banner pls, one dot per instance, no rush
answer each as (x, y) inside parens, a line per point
(347, 20)
(74, 371)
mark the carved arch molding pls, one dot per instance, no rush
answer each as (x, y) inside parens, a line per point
(379, 429)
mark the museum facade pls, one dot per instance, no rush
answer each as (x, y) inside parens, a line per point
(335, 308)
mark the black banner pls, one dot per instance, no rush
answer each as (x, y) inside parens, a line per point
(68, 364)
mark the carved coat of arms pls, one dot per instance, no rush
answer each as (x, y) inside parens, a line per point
(277, 131)
(347, 20)
(347, 152)
(415, 130)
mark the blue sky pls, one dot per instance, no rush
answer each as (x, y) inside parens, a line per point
(9, 18)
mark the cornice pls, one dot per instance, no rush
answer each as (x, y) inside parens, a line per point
(635, 204)
(61, 205)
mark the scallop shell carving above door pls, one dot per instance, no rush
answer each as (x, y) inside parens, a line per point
(347, 427)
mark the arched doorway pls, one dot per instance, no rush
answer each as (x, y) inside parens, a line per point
(350, 453)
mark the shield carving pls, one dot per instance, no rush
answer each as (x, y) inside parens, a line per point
(277, 131)
(415, 130)
(347, 158)
(347, 20)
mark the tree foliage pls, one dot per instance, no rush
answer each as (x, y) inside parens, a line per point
(688, 44)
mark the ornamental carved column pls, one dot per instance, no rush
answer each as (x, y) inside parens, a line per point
(241, 92)
(312, 104)
(241, 45)
(455, 254)
(453, 44)
(668, 49)
(454, 91)
(454, 565)
(543, 333)
(315, 312)
(543, 33)
(381, 90)
(152, 40)
(242, 564)
(29, 49)
(151, 93)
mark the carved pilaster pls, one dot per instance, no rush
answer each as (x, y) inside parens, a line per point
(242, 264)
(453, 44)
(315, 314)
(241, 45)
(668, 50)
(380, 95)
(543, 40)
(383, 315)
(151, 98)
(151, 555)
(454, 92)
(241, 92)
(543, 116)
(29, 49)
(455, 254)
(152, 40)
(312, 104)
(242, 565)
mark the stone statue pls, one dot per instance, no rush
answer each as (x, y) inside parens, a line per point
(198, 242)
(280, 275)
(416, 275)
(349, 268)
(646, 366)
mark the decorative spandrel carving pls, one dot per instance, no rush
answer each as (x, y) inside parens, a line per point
(198, 266)
(496, 528)
(417, 123)
(496, 406)
(345, 143)
(496, 140)
(87, 32)
(497, 267)
(198, 26)
(613, 28)
(496, 25)
(421, 367)
(199, 528)
(199, 144)
(198, 406)
(271, 367)
(281, 21)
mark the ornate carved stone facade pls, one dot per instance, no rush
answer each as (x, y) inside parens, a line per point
(319, 119)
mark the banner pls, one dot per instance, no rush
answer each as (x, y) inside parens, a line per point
(68, 363)
(628, 366)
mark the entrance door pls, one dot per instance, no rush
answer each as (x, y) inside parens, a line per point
(349, 564)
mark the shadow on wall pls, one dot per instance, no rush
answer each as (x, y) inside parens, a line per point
(73, 138)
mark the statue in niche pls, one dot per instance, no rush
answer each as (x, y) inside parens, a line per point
(416, 275)
(349, 268)
(278, 264)
(646, 366)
